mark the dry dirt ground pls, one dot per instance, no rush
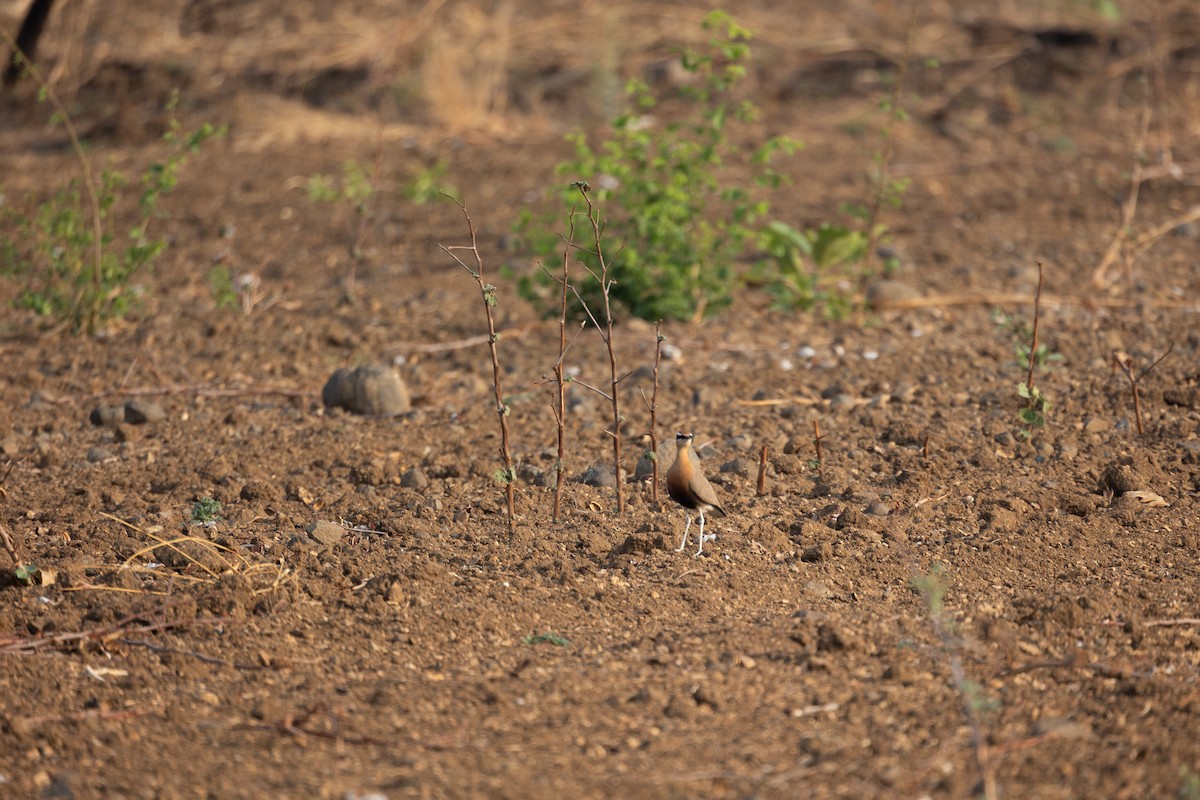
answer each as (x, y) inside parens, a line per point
(938, 608)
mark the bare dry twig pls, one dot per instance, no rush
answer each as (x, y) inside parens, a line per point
(507, 475)
(606, 333)
(1125, 362)
(652, 405)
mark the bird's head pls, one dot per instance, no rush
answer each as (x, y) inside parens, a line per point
(682, 440)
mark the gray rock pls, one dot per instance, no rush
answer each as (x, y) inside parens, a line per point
(742, 467)
(817, 553)
(645, 466)
(98, 454)
(371, 389)
(112, 416)
(533, 475)
(600, 475)
(327, 533)
(414, 478)
(139, 412)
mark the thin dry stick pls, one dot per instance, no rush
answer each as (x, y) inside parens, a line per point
(1009, 298)
(817, 437)
(761, 491)
(1148, 239)
(560, 409)
(1123, 361)
(658, 343)
(365, 219)
(606, 333)
(459, 344)
(507, 474)
(883, 179)
(195, 390)
(9, 547)
(1128, 207)
(1033, 344)
(1154, 623)
(90, 715)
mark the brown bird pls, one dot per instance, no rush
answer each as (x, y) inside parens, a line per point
(687, 486)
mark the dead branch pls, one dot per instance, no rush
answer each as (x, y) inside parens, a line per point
(488, 292)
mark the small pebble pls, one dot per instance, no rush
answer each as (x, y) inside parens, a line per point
(600, 475)
(327, 533)
(414, 478)
(139, 412)
(371, 389)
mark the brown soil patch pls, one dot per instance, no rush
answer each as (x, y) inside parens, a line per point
(419, 650)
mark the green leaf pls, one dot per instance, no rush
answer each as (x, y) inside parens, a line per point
(26, 574)
(548, 637)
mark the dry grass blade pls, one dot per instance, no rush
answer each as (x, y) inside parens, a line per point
(196, 554)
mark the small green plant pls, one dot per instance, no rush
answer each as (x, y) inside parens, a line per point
(352, 186)
(26, 574)
(1033, 415)
(1189, 784)
(429, 185)
(1021, 333)
(975, 704)
(546, 638)
(357, 189)
(220, 281)
(932, 587)
(807, 269)
(681, 224)
(237, 293)
(205, 510)
(75, 267)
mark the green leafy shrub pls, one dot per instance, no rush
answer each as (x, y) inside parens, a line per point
(680, 224)
(74, 266)
(806, 269)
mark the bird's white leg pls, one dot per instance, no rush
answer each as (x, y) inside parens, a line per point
(704, 537)
(683, 544)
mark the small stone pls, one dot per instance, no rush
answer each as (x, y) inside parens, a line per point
(742, 467)
(1062, 728)
(849, 518)
(535, 476)
(843, 402)
(371, 389)
(645, 466)
(879, 509)
(10, 446)
(600, 475)
(817, 552)
(257, 492)
(1120, 478)
(414, 478)
(98, 454)
(885, 293)
(139, 412)
(817, 589)
(327, 533)
(112, 416)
